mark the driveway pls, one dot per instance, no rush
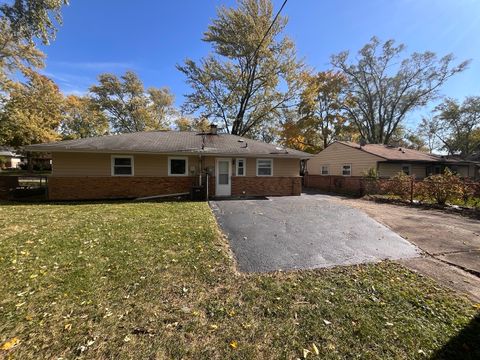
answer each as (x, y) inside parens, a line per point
(309, 231)
(451, 241)
(448, 237)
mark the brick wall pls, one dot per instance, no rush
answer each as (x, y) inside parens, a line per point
(266, 186)
(339, 184)
(90, 188)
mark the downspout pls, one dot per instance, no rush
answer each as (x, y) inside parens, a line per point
(207, 184)
(200, 167)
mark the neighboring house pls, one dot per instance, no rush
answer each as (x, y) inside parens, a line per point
(170, 162)
(343, 158)
(11, 159)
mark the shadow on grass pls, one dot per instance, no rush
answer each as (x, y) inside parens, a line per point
(465, 346)
(88, 202)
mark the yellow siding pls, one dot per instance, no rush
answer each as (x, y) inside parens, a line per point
(392, 169)
(81, 164)
(97, 164)
(337, 155)
(466, 171)
(418, 170)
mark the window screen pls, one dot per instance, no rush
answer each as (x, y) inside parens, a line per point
(264, 167)
(122, 166)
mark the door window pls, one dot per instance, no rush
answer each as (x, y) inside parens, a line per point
(223, 173)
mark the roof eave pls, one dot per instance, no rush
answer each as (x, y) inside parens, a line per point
(37, 148)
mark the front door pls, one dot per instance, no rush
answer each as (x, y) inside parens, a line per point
(223, 185)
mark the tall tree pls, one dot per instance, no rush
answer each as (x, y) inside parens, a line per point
(32, 112)
(31, 19)
(129, 106)
(385, 88)
(429, 131)
(82, 118)
(240, 85)
(188, 124)
(321, 106)
(16, 54)
(457, 125)
(21, 22)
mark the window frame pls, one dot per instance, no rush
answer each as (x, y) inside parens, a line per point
(350, 166)
(112, 164)
(321, 170)
(177, 158)
(409, 169)
(264, 159)
(244, 166)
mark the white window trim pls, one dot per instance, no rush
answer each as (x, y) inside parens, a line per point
(271, 167)
(112, 164)
(350, 169)
(328, 170)
(409, 168)
(244, 166)
(178, 158)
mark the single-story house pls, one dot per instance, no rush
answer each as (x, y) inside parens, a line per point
(170, 162)
(11, 160)
(348, 159)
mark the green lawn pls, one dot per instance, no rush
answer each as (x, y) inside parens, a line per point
(156, 281)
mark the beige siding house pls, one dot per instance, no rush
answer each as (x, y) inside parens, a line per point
(167, 162)
(348, 159)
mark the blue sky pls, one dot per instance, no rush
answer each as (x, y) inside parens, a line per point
(150, 37)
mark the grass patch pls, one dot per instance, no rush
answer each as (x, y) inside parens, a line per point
(154, 280)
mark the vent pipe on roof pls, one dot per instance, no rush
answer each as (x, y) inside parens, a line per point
(213, 129)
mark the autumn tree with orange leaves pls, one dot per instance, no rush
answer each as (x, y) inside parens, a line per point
(319, 119)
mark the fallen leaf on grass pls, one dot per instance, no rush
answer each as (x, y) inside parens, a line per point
(10, 344)
(315, 349)
(233, 344)
(68, 327)
(327, 322)
(305, 353)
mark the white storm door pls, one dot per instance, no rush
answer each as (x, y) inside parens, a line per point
(223, 184)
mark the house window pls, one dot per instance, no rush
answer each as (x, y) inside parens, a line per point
(347, 170)
(122, 165)
(324, 170)
(406, 169)
(264, 167)
(434, 170)
(240, 167)
(177, 166)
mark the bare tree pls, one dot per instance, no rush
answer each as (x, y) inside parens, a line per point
(385, 88)
(253, 74)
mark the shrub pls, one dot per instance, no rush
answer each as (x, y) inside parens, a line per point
(399, 185)
(370, 178)
(443, 188)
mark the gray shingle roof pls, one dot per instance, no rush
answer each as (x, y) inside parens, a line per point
(393, 153)
(170, 142)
